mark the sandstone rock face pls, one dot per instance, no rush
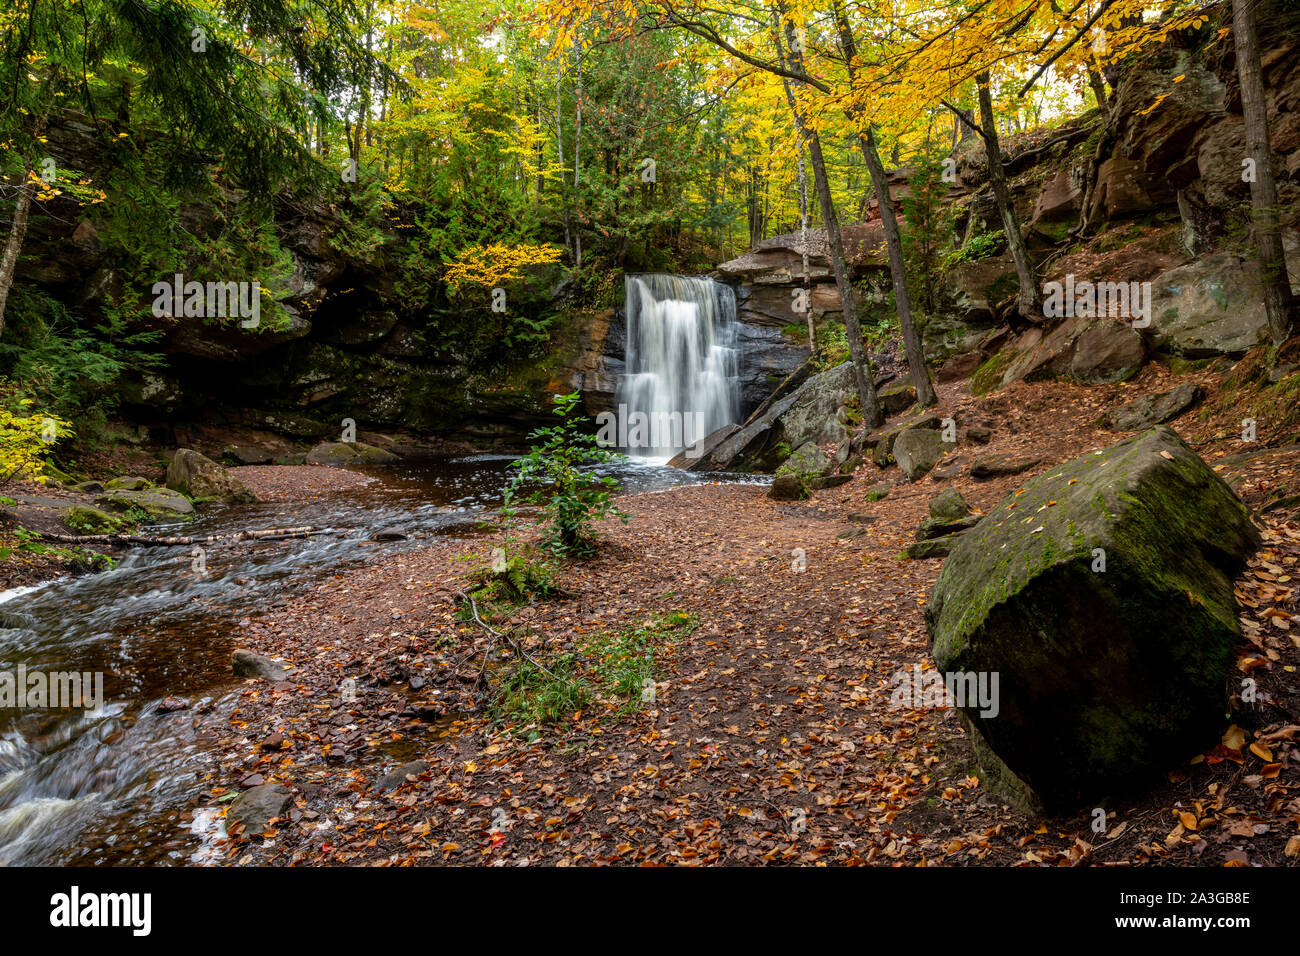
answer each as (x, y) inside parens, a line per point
(202, 478)
(1209, 307)
(814, 412)
(1100, 685)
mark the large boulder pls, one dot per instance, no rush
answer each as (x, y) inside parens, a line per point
(202, 478)
(814, 412)
(1101, 596)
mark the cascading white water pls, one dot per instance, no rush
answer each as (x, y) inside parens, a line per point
(683, 378)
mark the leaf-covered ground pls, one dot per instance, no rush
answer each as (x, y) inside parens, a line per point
(770, 737)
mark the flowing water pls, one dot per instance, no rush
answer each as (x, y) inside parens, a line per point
(683, 378)
(111, 787)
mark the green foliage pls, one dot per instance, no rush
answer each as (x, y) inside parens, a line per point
(558, 474)
(927, 227)
(980, 247)
(516, 579)
(614, 671)
(65, 367)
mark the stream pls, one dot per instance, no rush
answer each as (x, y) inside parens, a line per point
(115, 787)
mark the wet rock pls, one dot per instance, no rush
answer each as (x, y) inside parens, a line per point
(203, 479)
(995, 466)
(689, 457)
(273, 742)
(16, 620)
(1100, 686)
(245, 663)
(256, 808)
(338, 454)
(248, 454)
(1151, 410)
(171, 704)
(396, 777)
(389, 534)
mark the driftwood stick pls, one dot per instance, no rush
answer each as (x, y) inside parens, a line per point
(138, 540)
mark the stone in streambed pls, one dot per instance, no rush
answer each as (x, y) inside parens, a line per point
(256, 808)
(203, 479)
(245, 663)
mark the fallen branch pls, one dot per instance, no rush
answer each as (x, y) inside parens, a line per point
(138, 540)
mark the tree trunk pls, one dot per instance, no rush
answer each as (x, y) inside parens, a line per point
(1027, 302)
(1279, 304)
(871, 412)
(803, 242)
(9, 260)
(920, 375)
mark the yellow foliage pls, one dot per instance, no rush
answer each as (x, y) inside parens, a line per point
(25, 440)
(497, 264)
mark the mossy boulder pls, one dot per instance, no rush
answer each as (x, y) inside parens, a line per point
(84, 519)
(203, 479)
(339, 454)
(153, 502)
(128, 483)
(1102, 596)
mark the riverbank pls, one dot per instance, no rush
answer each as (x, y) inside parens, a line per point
(770, 736)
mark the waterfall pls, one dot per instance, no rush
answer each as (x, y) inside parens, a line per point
(683, 378)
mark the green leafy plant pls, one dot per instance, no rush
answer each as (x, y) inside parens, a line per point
(558, 474)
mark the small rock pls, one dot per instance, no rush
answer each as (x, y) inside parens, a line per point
(273, 742)
(787, 488)
(917, 450)
(127, 483)
(949, 505)
(1151, 410)
(389, 534)
(256, 808)
(169, 704)
(996, 466)
(395, 778)
(980, 436)
(247, 664)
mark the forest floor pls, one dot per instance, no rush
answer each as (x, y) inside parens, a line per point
(770, 736)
